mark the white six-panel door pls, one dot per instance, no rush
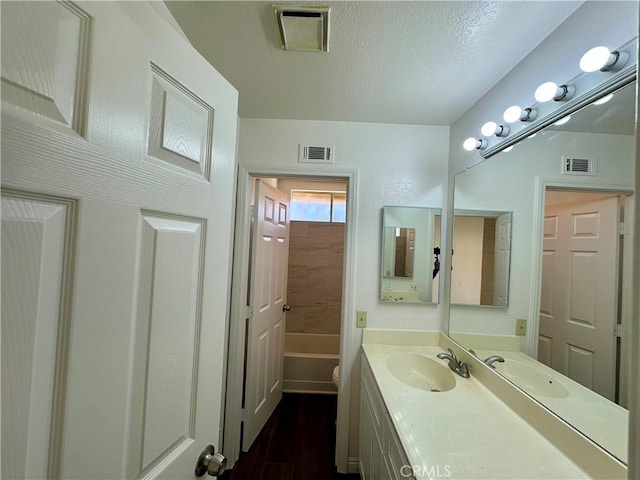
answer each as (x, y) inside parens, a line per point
(265, 344)
(502, 259)
(118, 159)
(578, 304)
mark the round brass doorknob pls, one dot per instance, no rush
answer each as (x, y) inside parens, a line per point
(210, 462)
(286, 308)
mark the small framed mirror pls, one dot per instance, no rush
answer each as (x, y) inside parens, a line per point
(408, 262)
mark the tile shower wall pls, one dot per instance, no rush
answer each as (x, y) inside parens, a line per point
(314, 291)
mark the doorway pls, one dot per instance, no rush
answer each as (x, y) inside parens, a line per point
(235, 415)
(581, 306)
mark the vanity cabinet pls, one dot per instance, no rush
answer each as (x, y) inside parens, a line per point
(381, 454)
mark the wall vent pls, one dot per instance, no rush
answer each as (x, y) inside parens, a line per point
(315, 154)
(579, 166)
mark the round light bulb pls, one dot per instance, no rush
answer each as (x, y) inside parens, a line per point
(603, 100)
(595, 59)
(508, 149)
(470, 144)
(546, 91)
(512, 114)
(489, 129)
(563, 120)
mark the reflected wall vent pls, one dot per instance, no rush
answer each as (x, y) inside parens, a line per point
(579, 166)
(315, 154)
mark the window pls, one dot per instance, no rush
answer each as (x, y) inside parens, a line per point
(318, 206)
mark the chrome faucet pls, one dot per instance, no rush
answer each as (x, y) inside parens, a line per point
(489, 360)
(458, 367)
(493, 359)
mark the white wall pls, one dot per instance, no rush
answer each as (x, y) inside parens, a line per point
(396, 165)
(508, 182)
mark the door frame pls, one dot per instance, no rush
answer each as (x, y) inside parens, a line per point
(625, 291)
(349, 338)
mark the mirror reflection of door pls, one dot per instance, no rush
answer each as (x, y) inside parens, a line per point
(404, 242)
(481, 260)
(579, 294)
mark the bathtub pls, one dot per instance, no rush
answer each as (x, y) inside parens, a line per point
(309, 360)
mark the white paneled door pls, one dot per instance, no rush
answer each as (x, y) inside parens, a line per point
(578, 304)
(265, 336)
(118, 160)
(502, 260)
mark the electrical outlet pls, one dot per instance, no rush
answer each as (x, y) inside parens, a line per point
(521, 327)
(361, 321)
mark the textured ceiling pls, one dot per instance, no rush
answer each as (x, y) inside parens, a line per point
(419, 62)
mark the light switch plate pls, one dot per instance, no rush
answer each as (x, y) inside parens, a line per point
(361, 319)
(521, 327)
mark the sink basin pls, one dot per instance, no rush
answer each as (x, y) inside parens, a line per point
(531, 379)
(421, 372)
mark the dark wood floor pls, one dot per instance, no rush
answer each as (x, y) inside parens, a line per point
(297, 443)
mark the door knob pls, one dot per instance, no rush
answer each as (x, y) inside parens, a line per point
(286, 308)
(210, 462)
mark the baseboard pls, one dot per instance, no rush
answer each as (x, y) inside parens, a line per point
(353, 465)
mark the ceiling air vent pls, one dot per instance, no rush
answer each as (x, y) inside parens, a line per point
(315, 154)
(579, 166)
(303, 28)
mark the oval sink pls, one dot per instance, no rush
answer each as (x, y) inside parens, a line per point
(421, 372)
(531, 380)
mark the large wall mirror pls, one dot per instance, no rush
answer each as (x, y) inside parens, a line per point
(562, 335)
(409, 265)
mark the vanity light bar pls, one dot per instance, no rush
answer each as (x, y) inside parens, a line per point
(615, 69)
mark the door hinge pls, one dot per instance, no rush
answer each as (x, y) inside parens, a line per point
(622, 229)
(243, 414)
(249, 313)
(252, 214)
(617, 330)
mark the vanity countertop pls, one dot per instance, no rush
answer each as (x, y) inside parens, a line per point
(466, 432)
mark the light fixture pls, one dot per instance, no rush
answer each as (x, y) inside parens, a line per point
(512, 114)
(552, 91)
(492, 128)
(489, 129)
(474, 144)
(563, 120)
(515, 113)
(601, 58)
(303, 28)
(603, 100)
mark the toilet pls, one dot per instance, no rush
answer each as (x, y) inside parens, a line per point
(335, 376)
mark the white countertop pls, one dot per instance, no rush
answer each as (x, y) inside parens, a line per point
(466, 432)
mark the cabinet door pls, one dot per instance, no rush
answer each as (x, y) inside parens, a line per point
(371, 427)
(397, 462)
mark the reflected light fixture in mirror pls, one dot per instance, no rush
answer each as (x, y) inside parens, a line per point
(564, 120)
